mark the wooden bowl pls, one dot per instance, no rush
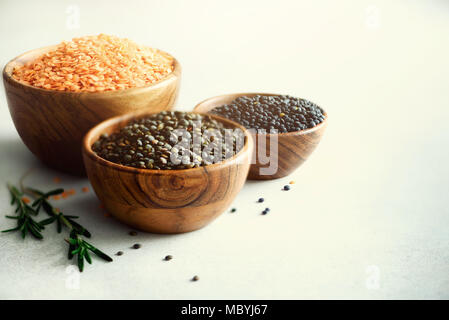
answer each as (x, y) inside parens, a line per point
(164, 201)
(293, 147)
(53, 123)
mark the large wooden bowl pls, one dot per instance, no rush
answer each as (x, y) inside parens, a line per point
(164, 201)
(293, 147)
(53, 123)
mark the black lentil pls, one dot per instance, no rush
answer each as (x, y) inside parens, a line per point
(233, 210)
(286, 187)
(261, 200)
(168, 258)
(148, 142)
(119, 253)
(283, 113)
(133, 233)
(266, 211)
(195, 278)
(137, 246)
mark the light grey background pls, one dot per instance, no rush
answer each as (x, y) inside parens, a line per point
(368, 215)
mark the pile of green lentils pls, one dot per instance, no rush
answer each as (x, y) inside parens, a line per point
(148, 142)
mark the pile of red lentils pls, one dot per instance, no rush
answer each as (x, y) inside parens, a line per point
(96, 63)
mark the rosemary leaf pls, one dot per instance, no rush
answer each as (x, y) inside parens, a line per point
(101, 254)
(13, 229)
(48, 220)
(87, 256)
(80, 262)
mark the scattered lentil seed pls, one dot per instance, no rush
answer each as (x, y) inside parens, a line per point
(168, 258)
(261, 200)
(125, 147)
(85, 189)
(26, 200)
(292, 182)
(286, 187)
(119, 253)
(195, 278)
(233, 210)
(282, 113)
(133, 233)
(137, 246)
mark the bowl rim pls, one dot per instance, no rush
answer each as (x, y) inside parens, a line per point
(8, 69)
(319, 126)
(87, 146)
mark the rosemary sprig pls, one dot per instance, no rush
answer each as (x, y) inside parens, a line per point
(26, 224)
(55, 215)
(81, 248)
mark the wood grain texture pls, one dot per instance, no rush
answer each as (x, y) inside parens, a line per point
(293, 147)
(53, 123)
(164, 201)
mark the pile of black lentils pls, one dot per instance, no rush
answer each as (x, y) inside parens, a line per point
(148, 142)
(283, 113)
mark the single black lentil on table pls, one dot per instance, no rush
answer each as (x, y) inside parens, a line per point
(148, 142)
(282, 113)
